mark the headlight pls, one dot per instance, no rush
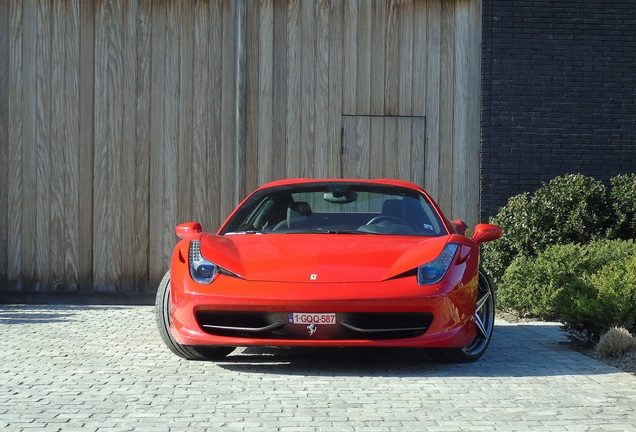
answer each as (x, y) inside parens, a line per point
(435, 270)
(201, 270)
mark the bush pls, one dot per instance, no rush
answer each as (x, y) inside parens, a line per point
(589, 288)
(615, 343)
(568, 209)
(623, 199)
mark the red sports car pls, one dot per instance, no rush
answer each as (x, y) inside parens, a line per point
(329, 263)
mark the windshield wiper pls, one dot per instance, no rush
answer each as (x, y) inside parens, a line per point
(321, 231)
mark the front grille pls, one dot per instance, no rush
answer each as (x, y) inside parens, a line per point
(349, 326)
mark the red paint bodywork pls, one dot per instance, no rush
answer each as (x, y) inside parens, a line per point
(353, 274)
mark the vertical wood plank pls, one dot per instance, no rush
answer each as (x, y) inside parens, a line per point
(157, 137)
(72, 146)
(404, 147)
(108, 146)
(461, 141)
(252, 65)
(57, 160)
(406, 75)
(86, 149)
(43, 145)
(141, 233)
(322, 143)
(293, 111)
(467, 207)
(363, 60)
(240, 62)
(4, 138)
(172, 90)
(447, 102)
(265, 91)
(185, 109)
(433, 40)
(227, 113)
(376, 146)
(378, 54)
(103, 261)
(201, 108)
(418, 150)
(113, 124)
(218, 20)
(349, 78)
(29, 185)
(279, 89)
(308, 89)
(420, 56)
(336, 45)
(390, 160)
(129, 143)
(280, 77)
(392, 62)
(15, 148)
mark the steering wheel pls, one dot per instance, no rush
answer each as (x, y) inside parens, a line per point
(381, 218)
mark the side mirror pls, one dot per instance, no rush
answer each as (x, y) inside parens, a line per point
(485, 233)
(187, 229)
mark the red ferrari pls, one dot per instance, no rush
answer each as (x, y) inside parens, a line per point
(329, 263)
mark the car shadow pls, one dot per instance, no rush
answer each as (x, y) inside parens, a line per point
(29, 314)
(517, 351)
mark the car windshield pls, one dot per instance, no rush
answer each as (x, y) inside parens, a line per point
(336, 209)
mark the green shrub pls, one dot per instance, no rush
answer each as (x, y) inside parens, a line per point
(532, 286)
(568, 209)
(589, 288)
(623, 199)
(616, 285)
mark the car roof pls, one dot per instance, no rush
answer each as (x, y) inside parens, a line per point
(381, 181)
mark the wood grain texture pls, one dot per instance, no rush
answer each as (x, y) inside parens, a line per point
(15, 148)
(87, 144)
(433, 97)
(308, 90)
(125, 118)
(335, 108)
(72, 146)
(322, 143)
(266, 93)
(29, 144)
(142, 145)
(4, 138)
(447, 103)
(129, 144)
(58, 140)
(157, 138)
(294, 75)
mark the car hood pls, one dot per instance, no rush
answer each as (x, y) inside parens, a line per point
(319, 257)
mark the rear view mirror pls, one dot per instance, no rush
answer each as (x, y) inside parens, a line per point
(340, 196)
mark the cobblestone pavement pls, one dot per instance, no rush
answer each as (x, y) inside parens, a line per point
(104, 368)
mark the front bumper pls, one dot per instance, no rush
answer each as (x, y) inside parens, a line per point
(397, 312)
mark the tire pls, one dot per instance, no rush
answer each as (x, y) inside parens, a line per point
(485, 321)
(162, 315)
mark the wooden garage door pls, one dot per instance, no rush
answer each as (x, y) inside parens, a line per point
(383, 147)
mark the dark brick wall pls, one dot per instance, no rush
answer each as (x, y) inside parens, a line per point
(558, 93)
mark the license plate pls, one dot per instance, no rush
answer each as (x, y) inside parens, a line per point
(312, 318)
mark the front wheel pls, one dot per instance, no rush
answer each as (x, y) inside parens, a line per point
(188, 352)
(484, 321)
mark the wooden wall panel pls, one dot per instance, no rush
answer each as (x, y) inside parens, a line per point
(122, 119)
(4, 138)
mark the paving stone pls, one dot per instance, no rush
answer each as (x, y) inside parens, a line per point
(105, 368)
